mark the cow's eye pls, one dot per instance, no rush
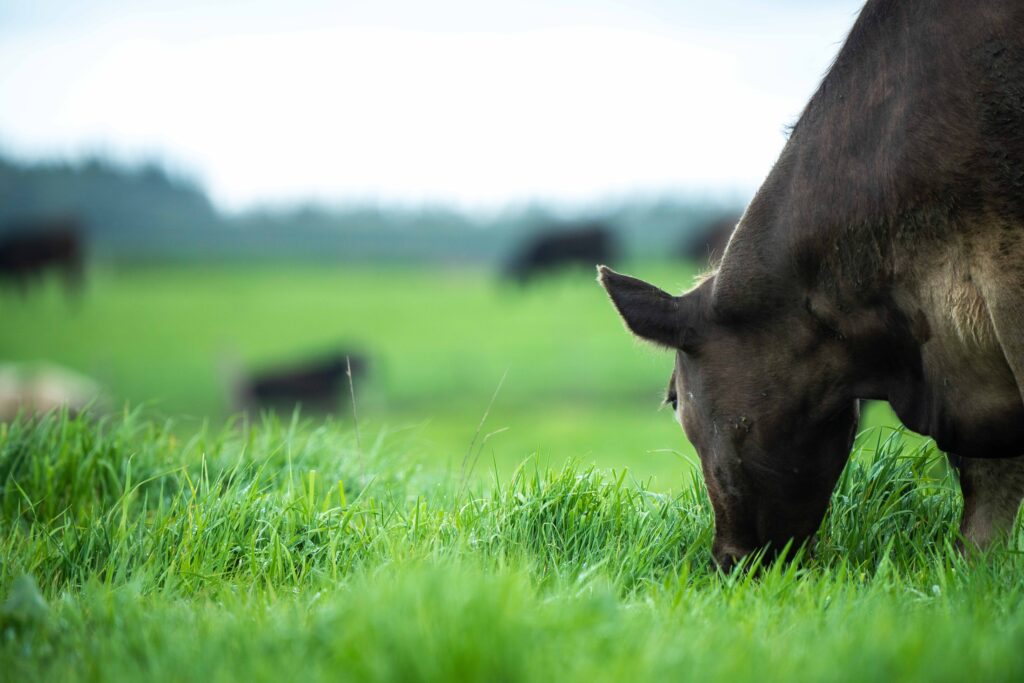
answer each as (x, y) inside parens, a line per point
(672, 399)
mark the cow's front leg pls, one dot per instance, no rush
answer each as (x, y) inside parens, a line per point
(993, 489)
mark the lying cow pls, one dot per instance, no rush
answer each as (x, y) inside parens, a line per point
(31, 248)
(36, 388)
(582, 245)
(882, 258)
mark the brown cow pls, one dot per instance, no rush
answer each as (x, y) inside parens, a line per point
(882, 258)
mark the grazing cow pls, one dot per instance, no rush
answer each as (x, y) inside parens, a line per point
(318, 386)
(586, 245)
(709, 242)
(29, 249)
(882, 258)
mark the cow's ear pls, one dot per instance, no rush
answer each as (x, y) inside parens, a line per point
(649, 313)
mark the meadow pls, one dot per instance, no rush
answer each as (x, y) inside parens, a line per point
(288, 552)
(551, 365)
(510, 504)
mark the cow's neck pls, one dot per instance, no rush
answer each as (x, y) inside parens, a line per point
(777, 267)
(850, 215)
(850, 176)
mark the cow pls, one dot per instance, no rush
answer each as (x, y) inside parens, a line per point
(28, 389)
(709, 241)
(584, 244)
(882, 258)
(28, 249)
(317, 386)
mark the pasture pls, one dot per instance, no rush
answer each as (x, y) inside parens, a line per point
(567, 538)
(576, 387)
(286, 552)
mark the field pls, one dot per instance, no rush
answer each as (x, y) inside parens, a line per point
(287, 553)
(576, 386)
(166, 540)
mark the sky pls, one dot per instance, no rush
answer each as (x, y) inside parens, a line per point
(467, 102)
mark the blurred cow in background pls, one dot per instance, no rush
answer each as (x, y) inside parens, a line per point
(708, 243)
(30, 248)
(318, 386)
(582, 244)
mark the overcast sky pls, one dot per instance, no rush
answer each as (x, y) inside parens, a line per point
(474, 102)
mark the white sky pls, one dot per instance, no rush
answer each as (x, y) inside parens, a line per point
(471, 102)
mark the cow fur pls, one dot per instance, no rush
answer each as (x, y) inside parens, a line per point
(882, 258)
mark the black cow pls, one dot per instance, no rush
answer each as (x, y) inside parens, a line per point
(29, 249)
(320, 386)
(585, 244)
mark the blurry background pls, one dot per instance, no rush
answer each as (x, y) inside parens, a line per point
(216, 207)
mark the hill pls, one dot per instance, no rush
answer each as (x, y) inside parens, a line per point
(146, 212)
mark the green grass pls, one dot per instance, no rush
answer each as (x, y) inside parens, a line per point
(565, 538)
(577, 386)
(135, 550)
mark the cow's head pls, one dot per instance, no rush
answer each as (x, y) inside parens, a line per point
(761, 398)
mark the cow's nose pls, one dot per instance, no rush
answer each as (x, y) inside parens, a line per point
(727, 560)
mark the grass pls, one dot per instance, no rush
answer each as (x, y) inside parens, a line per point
(175, 543)
(281, 551)
(577, 387)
